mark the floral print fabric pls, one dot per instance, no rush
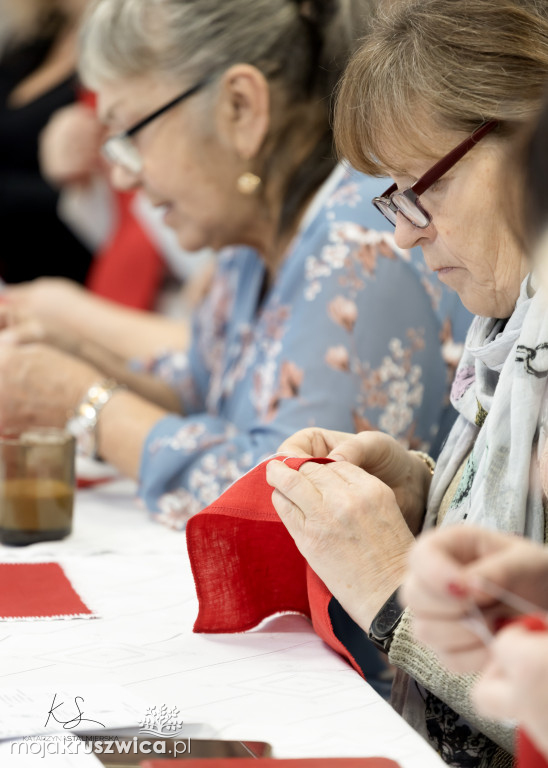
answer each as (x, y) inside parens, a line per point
(353, 334)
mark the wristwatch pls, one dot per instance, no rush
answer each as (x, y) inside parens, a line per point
(83, 423)
(383, 626)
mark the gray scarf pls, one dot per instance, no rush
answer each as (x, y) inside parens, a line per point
(500, 393)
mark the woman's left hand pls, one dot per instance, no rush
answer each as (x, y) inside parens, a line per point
(348, 526)
(40, 385)
(514, 683)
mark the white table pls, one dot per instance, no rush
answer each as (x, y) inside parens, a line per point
(279, 683)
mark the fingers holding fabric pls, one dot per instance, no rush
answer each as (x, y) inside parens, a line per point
(348, 526)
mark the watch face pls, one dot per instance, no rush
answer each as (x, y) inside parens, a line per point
(387, 618)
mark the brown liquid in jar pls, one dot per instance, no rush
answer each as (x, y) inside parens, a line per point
(34, 509)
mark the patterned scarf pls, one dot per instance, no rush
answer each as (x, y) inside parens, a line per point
(500, 394)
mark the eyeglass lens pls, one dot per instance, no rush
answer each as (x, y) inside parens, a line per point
(410, 210)
(120, 150)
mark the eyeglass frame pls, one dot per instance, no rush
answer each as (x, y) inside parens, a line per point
(123, 136)
(432, 175)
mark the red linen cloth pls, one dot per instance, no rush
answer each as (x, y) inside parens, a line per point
(247, 567)
(528, 754)
(307, 762)
(38, 591)
(128, 268)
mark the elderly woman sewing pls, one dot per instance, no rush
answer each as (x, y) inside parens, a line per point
(468, 588)
(435, 98)
(220, 112)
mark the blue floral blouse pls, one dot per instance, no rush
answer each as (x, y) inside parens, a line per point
(354, 334)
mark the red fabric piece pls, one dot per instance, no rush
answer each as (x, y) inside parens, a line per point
(38, 590)
(268, 762)
(528, 754)
(128, 268)
(531, 621)
(247, 567)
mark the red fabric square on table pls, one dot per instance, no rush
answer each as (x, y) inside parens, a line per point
(38, 591)
(247, 567)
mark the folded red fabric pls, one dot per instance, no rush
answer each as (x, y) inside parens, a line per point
(247, 567)
(528, 755)
(38, 591)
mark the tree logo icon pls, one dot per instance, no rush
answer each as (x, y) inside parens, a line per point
(161, 721)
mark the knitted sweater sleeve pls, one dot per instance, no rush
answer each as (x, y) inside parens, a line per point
(422, 664)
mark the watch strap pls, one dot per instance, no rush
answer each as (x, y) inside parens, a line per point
(383, 626)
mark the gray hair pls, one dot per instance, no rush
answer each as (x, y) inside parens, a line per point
(301, 47)
(189, 38)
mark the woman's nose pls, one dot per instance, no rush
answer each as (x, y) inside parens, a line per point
(123, 179)
(407, 236)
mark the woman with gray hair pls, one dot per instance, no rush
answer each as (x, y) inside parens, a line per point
(437, 98)
(219, 110)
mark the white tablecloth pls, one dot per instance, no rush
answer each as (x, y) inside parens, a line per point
(279, 683)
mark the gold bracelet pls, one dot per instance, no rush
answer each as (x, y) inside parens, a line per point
(426, 459)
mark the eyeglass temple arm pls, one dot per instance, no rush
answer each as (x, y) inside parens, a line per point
(447, 162)
(181, 97)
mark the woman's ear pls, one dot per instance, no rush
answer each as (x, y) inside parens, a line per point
(243, 111)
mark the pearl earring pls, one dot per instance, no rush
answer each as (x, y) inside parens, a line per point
(248, 183)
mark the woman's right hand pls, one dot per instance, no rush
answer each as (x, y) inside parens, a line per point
(443, 588)
(69, 146)
(378, 454)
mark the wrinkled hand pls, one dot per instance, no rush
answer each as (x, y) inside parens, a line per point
(514, 683)
(47, 298)
(379, 455)
(18, 328)
(69, 145)
(349, 528)
(446, 568)
(40, 386)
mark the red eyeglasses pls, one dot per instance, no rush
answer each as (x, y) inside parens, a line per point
(406, 201)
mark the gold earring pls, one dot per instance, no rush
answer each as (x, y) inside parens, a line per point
(248, 183)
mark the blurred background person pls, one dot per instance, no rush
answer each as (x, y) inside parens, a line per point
(37, 77)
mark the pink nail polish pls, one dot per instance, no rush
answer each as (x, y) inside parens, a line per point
(456, 590)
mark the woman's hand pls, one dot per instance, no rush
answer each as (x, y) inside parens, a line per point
(42, 311)
(379, 455)
(47, 298)
(514, 683)
(40, 385)
(348, 526)
(69, 145)
(443, 588)
(18, 328)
